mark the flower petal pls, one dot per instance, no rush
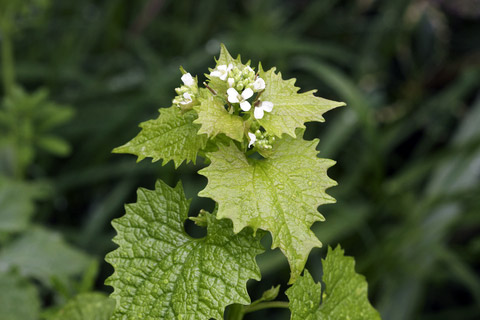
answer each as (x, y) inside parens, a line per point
(258, 113)
(187, 98)
(253, 138)
(247, 93)
(232, 95)
(216, 73)
(267, 106)
(259, 84)
(232, 92)
(188, 79)
(231, 82)
(245, 105)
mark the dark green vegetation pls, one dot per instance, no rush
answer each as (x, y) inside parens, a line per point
(407, 146)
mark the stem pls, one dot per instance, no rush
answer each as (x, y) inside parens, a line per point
(265, 305)
(256, 101)
(211, 90)
(8, 74)
(235, 312)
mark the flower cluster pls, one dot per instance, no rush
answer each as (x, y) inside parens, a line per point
(241, 90)
(261, 140)
(186, 94)
(242, 85)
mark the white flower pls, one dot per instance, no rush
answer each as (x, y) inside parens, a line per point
(258, 85)
(235, 97)
(231, 82)
(222, 71)
(264, 106)
(187, 98)
(253, 138)
(188, 79)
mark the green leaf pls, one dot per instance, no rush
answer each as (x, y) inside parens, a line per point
(87, 306)
(18, 298)
(279, 194)
(345, 295)
(214, 119)
(172, 136)
(163, 273)
(290, 108)
(43, 254)
(225, 57)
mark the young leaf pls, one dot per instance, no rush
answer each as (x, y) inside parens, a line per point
(345, 295)
(214, 119)
(279, 194)
(163, 273)
(172, 136)
(87, 306)
(290, 108)
(226, 58)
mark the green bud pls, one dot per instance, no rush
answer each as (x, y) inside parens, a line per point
(254, 126)
(239, 87)
(271, 294)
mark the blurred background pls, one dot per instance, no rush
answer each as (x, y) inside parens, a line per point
(79, 76)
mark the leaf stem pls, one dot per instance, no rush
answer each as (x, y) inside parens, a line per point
(265, 305)
(235, 312)
(208, 87)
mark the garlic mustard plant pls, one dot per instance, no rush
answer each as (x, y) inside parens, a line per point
(264, 178)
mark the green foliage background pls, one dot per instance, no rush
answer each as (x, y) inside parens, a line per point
(407, 145)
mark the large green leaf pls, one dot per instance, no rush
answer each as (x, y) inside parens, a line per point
(214, 119)
(43, 254)
(172, 136)
(87, 306)
(279, 194)
(345, 296)
(18, 298)
(163, 273)
(290, 108)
